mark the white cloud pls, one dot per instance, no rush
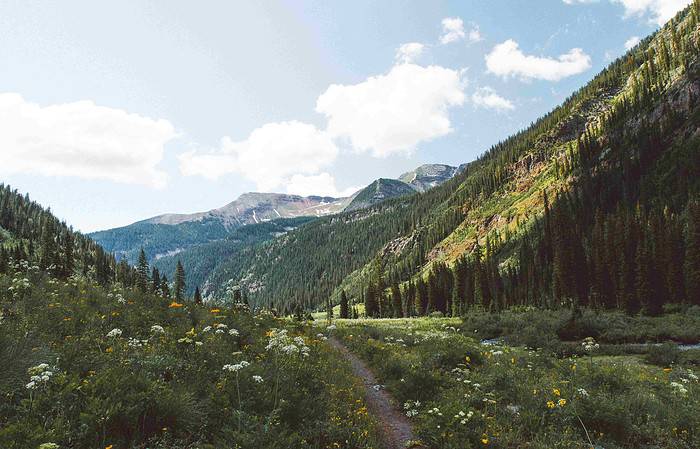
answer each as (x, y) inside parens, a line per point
(631, 42)
(269, 156)
(486, 97)
(81, 139)
(409, 52)
(474, 34)
(394, 112)
(322, 184)
(506, 59)
(452, 30)
(659, 11)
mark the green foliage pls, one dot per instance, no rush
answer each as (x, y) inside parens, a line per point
(459, 393)
(131, 369)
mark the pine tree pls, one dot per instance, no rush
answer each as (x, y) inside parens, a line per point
(179, 285)
(421, 298)
(142, 269)
(155, 280)
(396, 300)
(197, 296)
(692, 257)
(344, 310)
(164, 287)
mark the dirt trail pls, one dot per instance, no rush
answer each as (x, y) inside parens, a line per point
(396, 428)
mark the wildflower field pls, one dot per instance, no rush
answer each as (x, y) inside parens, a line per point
(462, 393)
(81, 367)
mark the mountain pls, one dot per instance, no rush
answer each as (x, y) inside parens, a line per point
(254, 207)
(429, 175)
(380, 190)
(588, 203)
(170, 234)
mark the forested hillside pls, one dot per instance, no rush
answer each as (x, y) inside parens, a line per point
(594, 203)
(31, 233)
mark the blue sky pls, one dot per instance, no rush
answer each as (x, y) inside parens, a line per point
(111, 113)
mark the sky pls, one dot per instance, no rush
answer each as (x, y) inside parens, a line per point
(112, 112)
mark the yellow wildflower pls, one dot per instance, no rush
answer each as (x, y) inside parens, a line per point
(550, 404)
(562, 402)
(485, 440)
(175, 305)
(556, 392)
(215, 311)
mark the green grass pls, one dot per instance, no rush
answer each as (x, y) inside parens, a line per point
(463, 394)
(140, 387)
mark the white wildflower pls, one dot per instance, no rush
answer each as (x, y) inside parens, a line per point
(258, 379)
(233, 332)
(114, 333)
(236, 367)
(157, 329)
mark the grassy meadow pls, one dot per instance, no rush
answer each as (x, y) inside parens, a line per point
(81, 367)
(531, 389)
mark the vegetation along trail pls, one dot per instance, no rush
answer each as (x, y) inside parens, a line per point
(397, 432)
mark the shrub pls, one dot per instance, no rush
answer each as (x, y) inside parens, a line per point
(666, 354)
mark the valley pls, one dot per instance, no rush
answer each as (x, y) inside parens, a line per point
(545, 294)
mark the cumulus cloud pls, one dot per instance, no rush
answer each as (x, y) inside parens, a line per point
(81, 139)
(631, 42)
(486, 97)
(658, 11)
(506, 59)
(269, 156)
(409, 52)
(452, 30)
(322, 184)
(393, 112)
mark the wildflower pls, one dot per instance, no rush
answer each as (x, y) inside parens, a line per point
(236, 367)
(215, 310)
(589, 344)
(485, 440)
(667, 370)
(561, 402)
(233, 332)
(550, 404)
(556, 392)
(258, 379)
(175, 305)
(221, 326)
(582, 392)
(206, 329)
(679, 388)
(157, 329)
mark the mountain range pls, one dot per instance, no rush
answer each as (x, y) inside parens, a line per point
(169, 234)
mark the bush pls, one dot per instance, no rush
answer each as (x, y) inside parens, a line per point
(665, 355)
